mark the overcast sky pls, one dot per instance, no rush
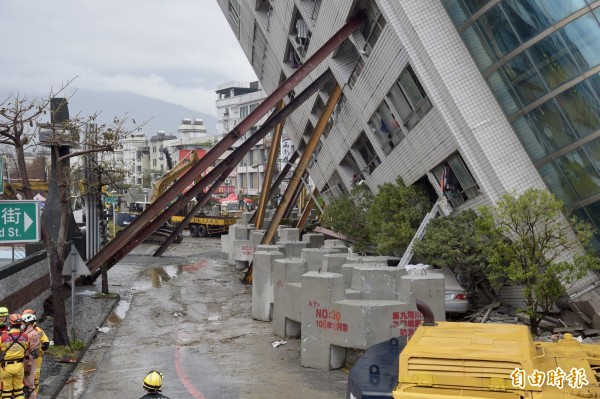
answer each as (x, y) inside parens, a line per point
(173, 50)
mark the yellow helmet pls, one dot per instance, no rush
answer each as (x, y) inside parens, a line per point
(153, 381)
(4, 315)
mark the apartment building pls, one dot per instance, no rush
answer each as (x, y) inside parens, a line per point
(468, 98)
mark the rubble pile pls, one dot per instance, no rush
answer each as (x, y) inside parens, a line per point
(579, 318)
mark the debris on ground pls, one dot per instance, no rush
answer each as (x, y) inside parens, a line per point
(581, 319)
(278, 343)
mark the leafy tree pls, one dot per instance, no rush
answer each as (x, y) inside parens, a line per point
(346, 214)
(452, 242)
(532, 239)
(19, 124)
(395, 216)
(37, 167)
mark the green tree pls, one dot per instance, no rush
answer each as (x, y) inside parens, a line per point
(452, 242)
(395, 215)
(535, 243)
(346, 214)
(20, 124)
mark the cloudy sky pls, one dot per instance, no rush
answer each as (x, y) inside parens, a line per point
(172, 50)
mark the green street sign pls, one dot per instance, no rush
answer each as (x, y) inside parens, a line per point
(19, 221)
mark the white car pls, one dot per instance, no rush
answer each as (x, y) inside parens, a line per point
(457, 300)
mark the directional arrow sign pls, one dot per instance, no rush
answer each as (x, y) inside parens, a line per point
(19, 221)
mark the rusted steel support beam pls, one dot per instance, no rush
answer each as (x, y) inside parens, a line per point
(130, 233)
(293, 202)
(299, 171)
(268, 175)
(230, 162)
(275, 187)
(202, 199)
(309, 206)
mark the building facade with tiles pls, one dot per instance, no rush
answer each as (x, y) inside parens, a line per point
(468, 98)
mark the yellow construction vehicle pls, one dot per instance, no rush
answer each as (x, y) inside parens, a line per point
(206, 225)
(173, 174)
(135, 208)
(13, 188)
(453, 360)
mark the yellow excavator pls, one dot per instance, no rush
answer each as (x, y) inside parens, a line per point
(175, 172)
(458, 360)
(13, 188)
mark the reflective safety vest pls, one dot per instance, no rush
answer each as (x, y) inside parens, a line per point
(14, 344)
(43, 339)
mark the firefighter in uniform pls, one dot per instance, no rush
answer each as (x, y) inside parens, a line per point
(34, 353)
(44, 345)
(152, 384)
(14, 345)
(3, 319)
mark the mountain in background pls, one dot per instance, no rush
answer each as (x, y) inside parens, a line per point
(161, 115)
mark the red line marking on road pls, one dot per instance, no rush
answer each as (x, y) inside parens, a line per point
(183, 377)
(194, 266)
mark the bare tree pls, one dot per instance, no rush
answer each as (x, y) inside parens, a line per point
(20, 122)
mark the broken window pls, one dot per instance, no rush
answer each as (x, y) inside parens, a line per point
(373, 27)
(455, 180)
(358, 68)
(387, 127)
(368, 156)
(409, 99)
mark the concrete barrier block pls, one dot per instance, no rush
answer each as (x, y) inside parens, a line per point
(376, 282)
(347, 272)
(267, 248)
(352, 294)
(285, 296)
(292, 249)
(239, 232)
(332, 243)
(262, 284)
(256, 237)
(381, 260)
(226, 243)
(314, 257)
(241, 264)
(245, 217)
(332, 262)
(320, 320)
(243, 250)
(429, 288)
(289, 234)
(314, 240)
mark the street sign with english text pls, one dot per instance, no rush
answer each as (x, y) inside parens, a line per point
(19, 221)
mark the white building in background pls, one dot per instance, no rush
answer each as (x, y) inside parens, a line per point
(126, 156)
(235, 100)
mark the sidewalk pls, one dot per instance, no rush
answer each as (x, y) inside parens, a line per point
(91, 311)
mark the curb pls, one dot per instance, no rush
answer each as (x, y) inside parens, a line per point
(57, 382)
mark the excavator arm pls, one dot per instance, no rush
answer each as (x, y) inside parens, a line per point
(172, 175)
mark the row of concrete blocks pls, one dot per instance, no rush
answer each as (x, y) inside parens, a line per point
(242, 240)
(334, 300)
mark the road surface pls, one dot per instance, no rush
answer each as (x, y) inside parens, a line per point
(187, 315)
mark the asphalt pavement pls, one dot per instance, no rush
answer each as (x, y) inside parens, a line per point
(188, 315)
